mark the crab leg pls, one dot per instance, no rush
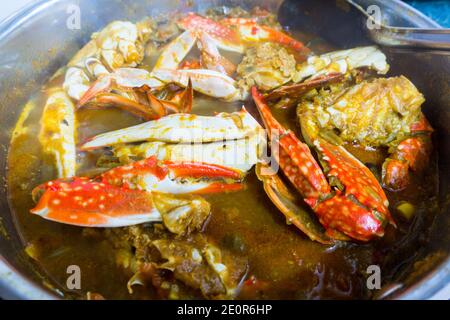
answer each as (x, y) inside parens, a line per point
(57, 134)
(299, 89)
(250, 31)
(154, 109)
(354, 205)
(147, 112)
(211, 58)
(127, 78)
(91, 203)
(182, 128)
(286, 202)
(225, 37)
(99, 96)
(174, 177)
(176, 51)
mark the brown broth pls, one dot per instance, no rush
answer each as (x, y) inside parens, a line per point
(287, 263)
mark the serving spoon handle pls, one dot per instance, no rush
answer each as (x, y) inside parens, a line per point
(404, 37)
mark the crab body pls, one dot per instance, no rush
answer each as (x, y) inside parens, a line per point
(385, 112)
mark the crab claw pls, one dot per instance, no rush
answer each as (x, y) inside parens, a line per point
(250, 31)
(395, 174)
(410, 154)
(286, 202)
(175, 177)
(354, 205)
(102, 85)
(225, 37)
(182, 128)
(93, 203)
(293, 156)
(359, 206)
(57, 134)
(176, 51)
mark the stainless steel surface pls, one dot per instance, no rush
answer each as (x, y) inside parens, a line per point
(36, 42)
(398, 35)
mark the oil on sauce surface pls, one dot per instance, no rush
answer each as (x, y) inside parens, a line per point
(286, 263)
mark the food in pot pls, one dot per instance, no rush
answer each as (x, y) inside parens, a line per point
(152, 165)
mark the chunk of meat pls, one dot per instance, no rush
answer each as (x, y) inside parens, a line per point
(267, 65)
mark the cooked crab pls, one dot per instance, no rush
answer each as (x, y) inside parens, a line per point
(377, 113)
(212, 78)
(349, 204)
(123, 195)
(119, 44)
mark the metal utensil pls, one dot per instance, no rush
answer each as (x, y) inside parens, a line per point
(400, 36)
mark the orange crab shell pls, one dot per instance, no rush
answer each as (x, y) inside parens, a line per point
(84, 202)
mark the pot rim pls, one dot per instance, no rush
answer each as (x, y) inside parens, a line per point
(15, 285)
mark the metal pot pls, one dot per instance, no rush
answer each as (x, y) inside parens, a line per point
(36, 41)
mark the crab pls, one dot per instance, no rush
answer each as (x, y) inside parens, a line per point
(379, 113)
(343, 193)
(211, 75)
(132, 88)
(119, 44)
(104, 74)
(170, 165)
